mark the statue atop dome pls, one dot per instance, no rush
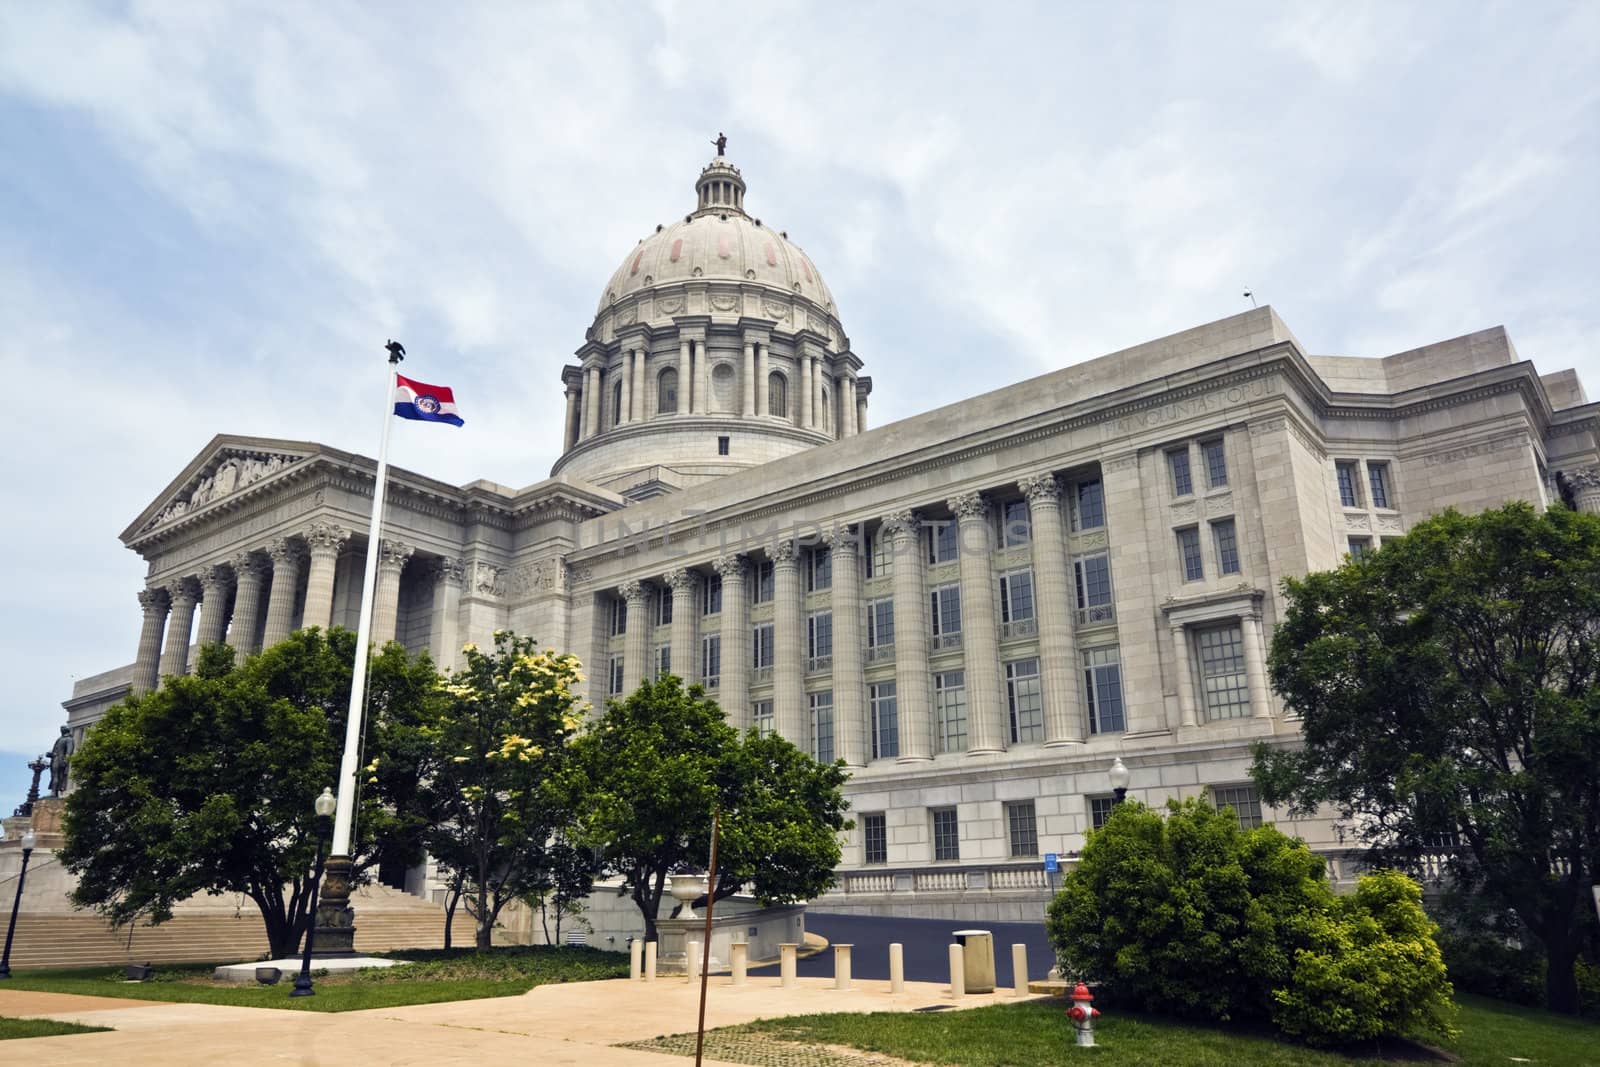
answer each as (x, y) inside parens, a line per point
(721, 142)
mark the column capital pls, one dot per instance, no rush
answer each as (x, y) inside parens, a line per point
(843, 539)
(786, 553)
(969, 505)
(248, 564)
(681, 580)
(394, 555)
(731, 567)
(1040, 488)
(449, 570)
(325, 538)
(213, 579)
(1583, 477)
(904, 521)
(633, 591)
(154, 599)
(183, 592)
(284, 550)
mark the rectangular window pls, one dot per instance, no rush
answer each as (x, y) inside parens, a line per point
(1216, 460)
(1016, 603)
(1223, 533)
(885, 720)
(880, 560)
(946, 616)
(1189, 551)
(761, 717)
(946, 834)
(880, 628)
(1024, 701)
(1024, 828)
(1222, 674)
(711, 660)
(1349, 495)
(711, 595)
(1102, 685)
(664, 608)
(1016, 524)
(819, 641)
(619, 617)
(821, 705)
(874, 838)
(941, 540)
(1093, 575)
(1088, 505)
(819, 569)
(950, 710)
(722, 446)
(1100, 809)
(1182, 480)
(1360, 546)
(761, 646)
(615, 688)
(1243, 799)
(762, 585)
(1378, 481)
(663, 660)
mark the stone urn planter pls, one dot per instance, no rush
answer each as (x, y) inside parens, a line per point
(687, 888)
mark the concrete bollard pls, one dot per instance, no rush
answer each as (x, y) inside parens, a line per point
(1019, 969)
(691, 960)
(897, 968)
(958, 972)
(740, 961)
(650, 961)
(841, 966)
(787, 957)
(635, 959)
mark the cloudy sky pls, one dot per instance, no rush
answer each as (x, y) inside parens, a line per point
(213, 215)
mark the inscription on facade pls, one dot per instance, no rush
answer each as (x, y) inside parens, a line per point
(1204, 404)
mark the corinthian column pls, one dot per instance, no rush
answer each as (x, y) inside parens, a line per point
(625, 411)
(640, 355)
(1052, 601)
(979, 626)
(1585, 484)
(849, 687)
(444, 629)
(788, 640)
(569, 426)
(392, 559)
(636, 646)
(685, 625)
(803, 407)
(286, 555)
(325, 541)
(913, 684)
(591, 401)
(147, 662)
(685, 377)
(747, 374)
(184, 594)
(249, 571)
(763, 398)
(214, 582)
(734, 694)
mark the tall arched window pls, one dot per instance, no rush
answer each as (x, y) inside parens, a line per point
(667, 392)
(777, 395)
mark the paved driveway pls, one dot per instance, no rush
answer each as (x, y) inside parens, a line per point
(926, 945)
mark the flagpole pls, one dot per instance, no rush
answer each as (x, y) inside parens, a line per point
(335, 929)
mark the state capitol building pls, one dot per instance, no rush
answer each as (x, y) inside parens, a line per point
(977, 608)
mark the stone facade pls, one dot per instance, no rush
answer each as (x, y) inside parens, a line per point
(976, 608)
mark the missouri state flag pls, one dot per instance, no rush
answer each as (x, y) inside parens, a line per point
(430, 403)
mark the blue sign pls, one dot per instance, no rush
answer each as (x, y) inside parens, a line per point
(1051, 866)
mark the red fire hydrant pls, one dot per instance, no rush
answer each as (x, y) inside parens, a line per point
(1082, 1014)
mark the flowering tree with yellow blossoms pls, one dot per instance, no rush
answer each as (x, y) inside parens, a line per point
(489, 753)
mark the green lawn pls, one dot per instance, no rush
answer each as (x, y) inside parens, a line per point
(10, 1028)
(434, 975)
(1035, 1034)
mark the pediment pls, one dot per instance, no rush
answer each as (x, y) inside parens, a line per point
(225, 469)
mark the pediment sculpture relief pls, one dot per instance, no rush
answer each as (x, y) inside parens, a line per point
(232, 474)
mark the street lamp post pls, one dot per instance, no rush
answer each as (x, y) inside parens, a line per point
(16, 905)
(1120, 777)
(325, 805)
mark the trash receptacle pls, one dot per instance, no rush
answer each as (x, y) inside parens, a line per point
(977, 953)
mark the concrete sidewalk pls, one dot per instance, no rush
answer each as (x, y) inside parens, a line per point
(577, 1023)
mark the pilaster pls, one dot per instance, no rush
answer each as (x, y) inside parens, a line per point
(913, 683)
(979, 625)
(1052, 601)
(849, 685)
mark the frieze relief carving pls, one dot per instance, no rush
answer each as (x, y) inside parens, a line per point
(535, 576)
(485, 579)
(1185, 512)
(724, 302)
(628, 315)
(669, 305)
(232, 474)
(1088, 542)
(1357, 522)
(1390, 524)
(775, 309)
(1219, 504)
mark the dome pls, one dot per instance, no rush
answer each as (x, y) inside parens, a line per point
(718, 241)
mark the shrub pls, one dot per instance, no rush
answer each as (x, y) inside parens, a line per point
(1191, 916)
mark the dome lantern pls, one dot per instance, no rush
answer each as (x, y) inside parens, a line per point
(720, 189)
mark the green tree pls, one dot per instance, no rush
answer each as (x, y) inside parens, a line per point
(490, 753)
(649, 773)
(1448, 689)
(206, 785)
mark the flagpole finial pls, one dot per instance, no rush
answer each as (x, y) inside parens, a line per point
(397, 351)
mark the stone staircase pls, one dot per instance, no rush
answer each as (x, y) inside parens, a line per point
(215, 929)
